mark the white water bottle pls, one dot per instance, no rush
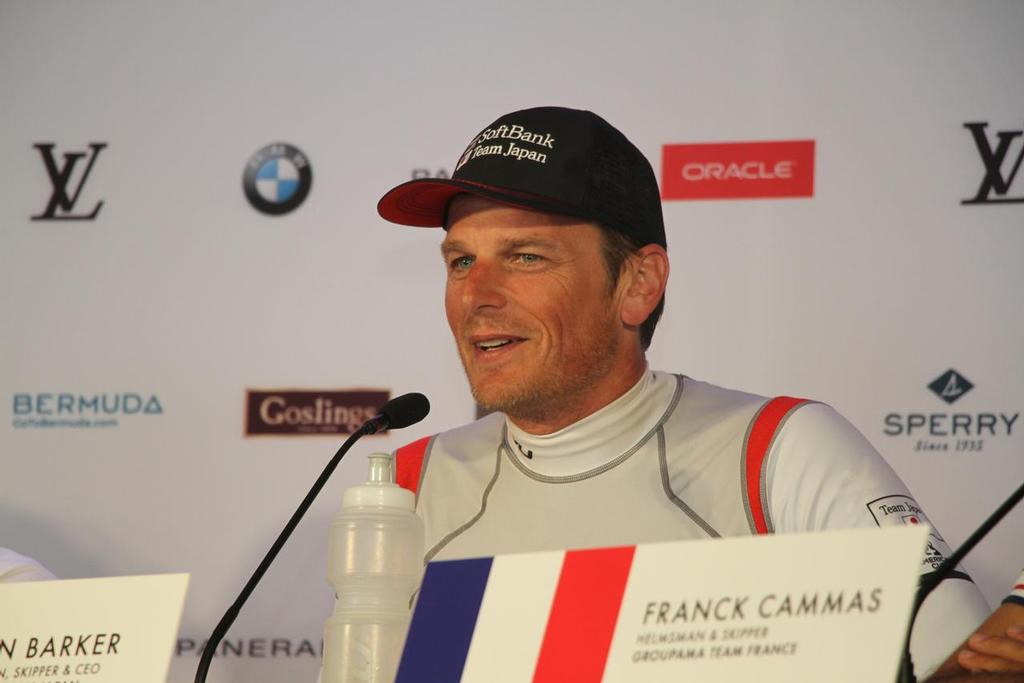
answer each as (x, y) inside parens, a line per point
(375, 563)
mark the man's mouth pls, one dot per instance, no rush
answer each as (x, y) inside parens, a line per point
(492, 344)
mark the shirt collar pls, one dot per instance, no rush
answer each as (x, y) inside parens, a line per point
(599, 437)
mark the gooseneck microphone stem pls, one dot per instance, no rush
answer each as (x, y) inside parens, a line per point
(399, 412)
(229, 617)
(932, 581)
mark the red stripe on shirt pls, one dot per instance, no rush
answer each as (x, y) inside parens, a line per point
(409, 464)
(761, 435)
(583, 615)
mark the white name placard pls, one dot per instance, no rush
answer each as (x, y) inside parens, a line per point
(798, 607)
(775, 609)
(110, 630)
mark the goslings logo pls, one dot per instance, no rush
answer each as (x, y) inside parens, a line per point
(943, 431)
(738, 170)
(289, 412)
(998, 179)
(277, 179)
(66, 185)
(80, 411)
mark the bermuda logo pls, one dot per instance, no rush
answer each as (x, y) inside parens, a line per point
(277, 179)
(950, 386)
(65, 193)
(995, 155)
(50, 410)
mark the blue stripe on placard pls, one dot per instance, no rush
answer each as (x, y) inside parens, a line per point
(442, 625)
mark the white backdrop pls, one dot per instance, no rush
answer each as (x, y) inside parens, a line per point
(180, 290)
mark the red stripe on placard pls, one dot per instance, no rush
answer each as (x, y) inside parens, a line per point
(1019, 587)
(583, 615)
(761, 435)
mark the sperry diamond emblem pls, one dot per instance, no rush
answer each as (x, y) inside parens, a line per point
(950, 386)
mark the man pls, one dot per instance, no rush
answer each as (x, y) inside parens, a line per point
(557, 264)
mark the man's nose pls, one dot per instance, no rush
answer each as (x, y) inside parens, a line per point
(484, 286)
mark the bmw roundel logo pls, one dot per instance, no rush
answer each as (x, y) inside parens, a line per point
(277, 179)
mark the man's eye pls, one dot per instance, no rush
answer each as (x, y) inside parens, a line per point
(529, 258)
(461, 262)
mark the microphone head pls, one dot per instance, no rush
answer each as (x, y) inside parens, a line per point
(405, 410)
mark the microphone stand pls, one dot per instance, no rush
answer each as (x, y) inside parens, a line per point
(229, 617)
(935, 578)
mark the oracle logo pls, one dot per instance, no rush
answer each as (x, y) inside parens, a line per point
(750, 170)
(738, 170)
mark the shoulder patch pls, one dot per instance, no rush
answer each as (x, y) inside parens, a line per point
(900, 509)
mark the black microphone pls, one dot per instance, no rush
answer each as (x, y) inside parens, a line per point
(401, 411)
(931, 582)
(405, 410)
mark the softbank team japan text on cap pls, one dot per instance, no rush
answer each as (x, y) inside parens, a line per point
(551, 159)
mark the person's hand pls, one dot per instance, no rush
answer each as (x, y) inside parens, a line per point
(985, 652)
(996, 648)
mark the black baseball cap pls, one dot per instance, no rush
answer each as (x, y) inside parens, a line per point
(551, 159)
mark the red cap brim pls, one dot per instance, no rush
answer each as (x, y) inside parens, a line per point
(420, 203)
(424, 202)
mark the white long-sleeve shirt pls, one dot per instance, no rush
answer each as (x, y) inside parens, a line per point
(670, 460)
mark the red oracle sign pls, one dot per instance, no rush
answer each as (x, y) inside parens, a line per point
(738, 170)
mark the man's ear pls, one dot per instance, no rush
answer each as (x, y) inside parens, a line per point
(645, 279)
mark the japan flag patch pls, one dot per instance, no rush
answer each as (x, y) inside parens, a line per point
(898, 509)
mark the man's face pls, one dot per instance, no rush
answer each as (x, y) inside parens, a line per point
(534, 315)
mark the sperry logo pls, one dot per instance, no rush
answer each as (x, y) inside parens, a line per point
(63, 197)
(938, 431)
(995, 185)
(950, 386)
(486, 144)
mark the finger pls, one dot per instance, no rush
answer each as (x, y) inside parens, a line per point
(976, 662)
(1007, 648)
(992, 653)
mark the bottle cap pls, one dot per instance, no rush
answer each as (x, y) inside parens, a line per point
(380, 490)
